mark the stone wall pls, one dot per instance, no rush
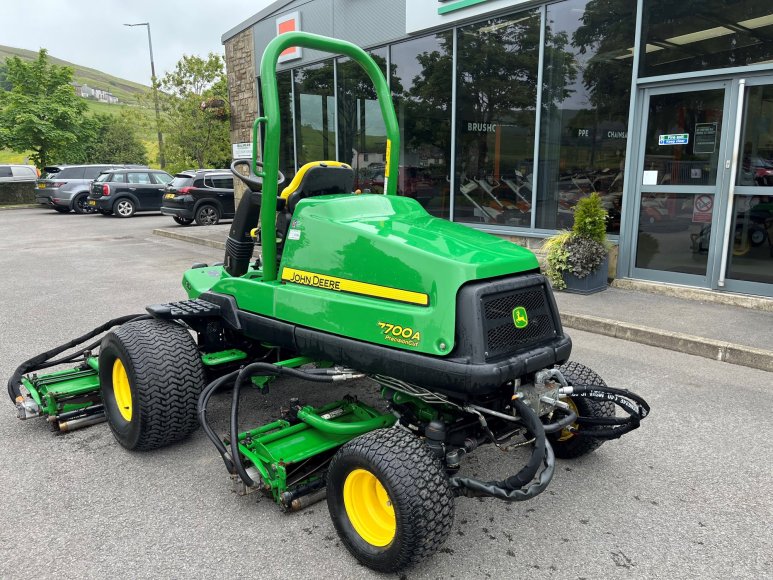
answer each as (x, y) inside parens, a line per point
(17, 192)
(242, 91)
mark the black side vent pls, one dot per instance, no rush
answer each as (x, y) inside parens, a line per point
(502, 334)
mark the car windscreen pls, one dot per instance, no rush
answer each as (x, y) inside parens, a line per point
(68, 173)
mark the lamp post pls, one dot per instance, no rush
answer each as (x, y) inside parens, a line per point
(161, 159)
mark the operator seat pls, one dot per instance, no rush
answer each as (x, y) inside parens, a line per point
(313, 179)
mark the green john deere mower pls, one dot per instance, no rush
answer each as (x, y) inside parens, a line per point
(457, 327)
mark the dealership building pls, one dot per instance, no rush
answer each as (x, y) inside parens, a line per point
(510, 111)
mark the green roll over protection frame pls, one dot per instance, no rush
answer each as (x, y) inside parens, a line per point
(270, 171)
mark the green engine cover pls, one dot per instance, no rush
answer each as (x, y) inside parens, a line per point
(371, 267)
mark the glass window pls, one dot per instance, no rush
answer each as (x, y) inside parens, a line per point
(585, 102)
(102, 177)
(69, 173)
(315, 130)
(140, 178)
(684, 131)
(117, 177)
(284, 81)
(181, 180)
(695, 35)
(495, 124)
(5, 171)
(752, 249)
(756, 166)
(222, 182)
(361, 130)
(161, 178)
(421, 91)
(92, 172)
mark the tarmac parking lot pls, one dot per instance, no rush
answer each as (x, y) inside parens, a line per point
(687, 495)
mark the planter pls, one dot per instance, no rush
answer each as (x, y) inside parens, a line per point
(594, 282)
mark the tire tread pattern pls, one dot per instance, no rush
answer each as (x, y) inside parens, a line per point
(420, 493)
(168, 377)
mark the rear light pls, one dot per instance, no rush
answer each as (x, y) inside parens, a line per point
(105, 189)
(186, 189)
(57, 184)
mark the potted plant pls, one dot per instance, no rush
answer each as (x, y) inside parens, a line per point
(578, 260)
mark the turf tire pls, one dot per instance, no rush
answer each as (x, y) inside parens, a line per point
(578, 445)
(417, 487)
(165, 375)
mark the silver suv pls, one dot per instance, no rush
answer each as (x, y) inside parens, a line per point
(17, 173)
(66, 187)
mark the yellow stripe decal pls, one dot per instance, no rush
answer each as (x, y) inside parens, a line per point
(344, 285)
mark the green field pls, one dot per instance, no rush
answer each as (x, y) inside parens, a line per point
(126, 91)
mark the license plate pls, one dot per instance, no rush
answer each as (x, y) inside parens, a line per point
(92, 202)
(41, 186)
(169, 196)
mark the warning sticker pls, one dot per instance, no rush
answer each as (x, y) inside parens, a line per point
(702, 208)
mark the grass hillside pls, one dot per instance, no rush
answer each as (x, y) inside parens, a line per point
(126, 91)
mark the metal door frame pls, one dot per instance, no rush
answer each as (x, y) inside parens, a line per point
(639, 145)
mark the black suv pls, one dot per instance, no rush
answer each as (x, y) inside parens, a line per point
(205, 195)
(126, 191)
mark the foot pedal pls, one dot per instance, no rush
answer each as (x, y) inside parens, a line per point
(185, 309)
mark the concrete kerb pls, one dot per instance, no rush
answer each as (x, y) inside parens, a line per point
(21, 206)
(704, 347)
(190, 238)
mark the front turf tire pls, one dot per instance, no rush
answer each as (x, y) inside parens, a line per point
(567, 445)
(150, 376)
(389, 499)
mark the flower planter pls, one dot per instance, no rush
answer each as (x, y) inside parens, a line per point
(594, 282)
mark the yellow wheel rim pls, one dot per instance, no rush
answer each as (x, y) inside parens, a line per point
(121, 390)
(369, 508)
(566, 433)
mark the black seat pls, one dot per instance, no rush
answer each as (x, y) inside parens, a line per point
(318, 178)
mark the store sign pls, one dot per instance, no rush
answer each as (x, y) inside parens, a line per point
(289, 23)
(482, 127)
(674, 139)
(705, 138)
(425, 15)
(241, 150)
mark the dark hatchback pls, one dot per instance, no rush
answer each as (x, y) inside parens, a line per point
(204, 196)
(124, 192)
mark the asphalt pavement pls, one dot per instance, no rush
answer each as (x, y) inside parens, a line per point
(684, 496)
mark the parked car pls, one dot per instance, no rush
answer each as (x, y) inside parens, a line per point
(18, 173)
(124, 192)
(66, 187)
(204, 196)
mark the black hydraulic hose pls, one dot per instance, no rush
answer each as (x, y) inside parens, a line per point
(201, 408)
(563, 423)
(515, 487)
(43, 360)
(634, 405)
(261, 369)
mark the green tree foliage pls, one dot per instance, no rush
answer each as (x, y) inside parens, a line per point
(40, 113)
(194, 100)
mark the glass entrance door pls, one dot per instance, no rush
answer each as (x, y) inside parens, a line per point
(681, 170)
(746, 261)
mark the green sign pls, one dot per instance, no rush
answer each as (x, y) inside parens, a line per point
(453, 5)
(520, 318)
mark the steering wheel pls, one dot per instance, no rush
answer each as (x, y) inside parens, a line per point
(253, 182)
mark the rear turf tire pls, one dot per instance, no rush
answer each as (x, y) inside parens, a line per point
(565, 444)
(386, 486)
(150, 375)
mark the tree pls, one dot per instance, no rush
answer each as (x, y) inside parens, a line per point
(194, 99)
(117, 141)
(41, 112)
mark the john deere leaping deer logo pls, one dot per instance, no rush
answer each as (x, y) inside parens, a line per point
(520, 318)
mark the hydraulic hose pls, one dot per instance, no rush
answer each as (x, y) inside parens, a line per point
(517, 487)
(44, 360)
(634, 405)
(201, 408)
(259, 369)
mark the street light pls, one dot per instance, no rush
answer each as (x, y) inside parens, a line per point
(161, 159)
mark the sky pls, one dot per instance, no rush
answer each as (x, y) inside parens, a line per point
(91, 32)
